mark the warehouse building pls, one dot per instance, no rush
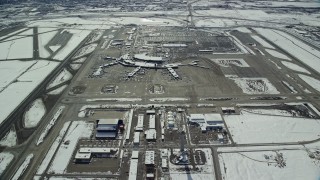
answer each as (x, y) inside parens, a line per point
(107, 128)
(84, 155)
(207, 121)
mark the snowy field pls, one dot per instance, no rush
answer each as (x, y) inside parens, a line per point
(57, 91)
(44, 36)
(272, 165)
(262, 42)
(22, 167)
(15, 93)
(255, 85)
(314, 83)
(5, 160)
(249, 128)
(277, 54)
(34, 114)
(75, 66)
(77, 37)
(77, 130)
(16, 48)
(85, 50)
(62, 77)
(295, 67)
(293, 46)
(10, 139)
(168, 99)
(229, 62)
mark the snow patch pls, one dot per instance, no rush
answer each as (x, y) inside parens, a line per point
(34, 114)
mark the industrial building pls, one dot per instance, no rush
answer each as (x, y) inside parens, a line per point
(108, 128)
(145, 57)
(150, 164)
(207, 121)
(84, 155)
(134, 165)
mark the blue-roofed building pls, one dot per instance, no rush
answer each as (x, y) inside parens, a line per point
(107, 128)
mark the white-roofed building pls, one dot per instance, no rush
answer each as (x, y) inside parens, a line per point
(84, 155)
(149, 158)
(136, 138)
(152, 122)
(207, 121)
(139, 126)
(151, 135)
(145, 57)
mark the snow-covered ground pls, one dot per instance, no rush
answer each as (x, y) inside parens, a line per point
(17, 48)
(50, 125)
(5, 160)
(77, 37)
(78, 130)
(80, 60)
(34, 114)
(298, 49)
(62, 77)
(15, 93)
(284, 164)
(313, 82)
(168, 99)
(295, 67)
(57, 91)
(44, 36)
(248, 128)
(228, 62)
(75, 66)
(85, 50)
(262, 42)
(243, 29)
(278, 54)
(10, 139)
(22, 167)
(45, 162)
(255, 85)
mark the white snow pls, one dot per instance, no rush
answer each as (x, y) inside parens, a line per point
(78, 130)
(85, 50)
(5, 160)
(315, 83)
(45, 162)
(57, 91)
(62, 77)
(34, 114)
(44, 36)
(77, 37)
(255, 85)
(291, 88)
(262, 164)
(10, 139)
(50, 125)
(11, 70)
(12, 33)
(23, 167)
(228, 62)
(21, 47)
(298, 49)
(295, 67)
(262, 42)
(243, 29)
(278, 54)
(248, 128)
(75, 66)
(54, 48)
(80, 60)
(168, 99)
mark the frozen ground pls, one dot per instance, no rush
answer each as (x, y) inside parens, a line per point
(80, 60)
(63, 76)
(255, 85)
(15, 93)
(77, 130)
(272, 165)
(45, 162)
(262, 42)
(244, 30)
(17, 48)
(10, 139)
(298, 49)
(228, 62)
(75, 66)
(23, 167)
(85, 50)
(277, 54)
(314, 83)
(34, 114)
(5, 160)
(45, 35)
(249, 128)
(50, 125)
(77, 37)
(57, 91)
(295, 67)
